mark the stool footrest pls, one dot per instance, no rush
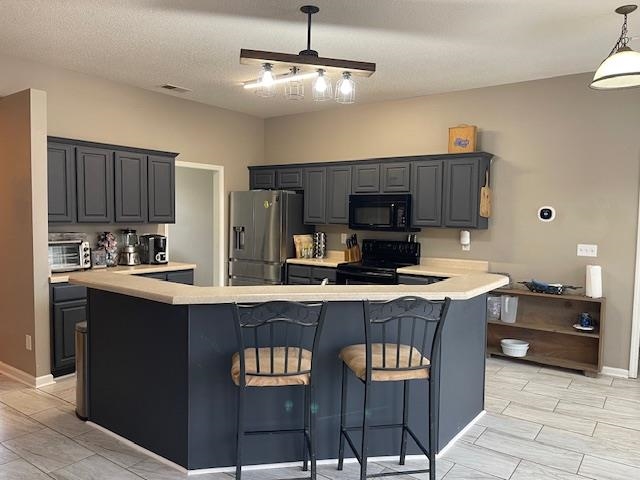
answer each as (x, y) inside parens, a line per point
(397, 473)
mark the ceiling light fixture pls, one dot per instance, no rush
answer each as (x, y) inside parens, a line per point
(621, 69)
(291, 69)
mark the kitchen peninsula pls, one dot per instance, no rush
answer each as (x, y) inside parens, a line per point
(160, 358)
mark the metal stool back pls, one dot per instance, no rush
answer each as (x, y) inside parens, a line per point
(407, 324)
(269, 328)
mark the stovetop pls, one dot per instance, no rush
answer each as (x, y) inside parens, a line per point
(384, 256)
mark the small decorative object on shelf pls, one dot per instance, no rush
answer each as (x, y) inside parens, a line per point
(462, 139)
(98, 258)
(549, 288)
(107, 240)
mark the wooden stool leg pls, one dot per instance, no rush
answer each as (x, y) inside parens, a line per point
(343, 406)
(306, 434)
(405, 420)
(239, 433)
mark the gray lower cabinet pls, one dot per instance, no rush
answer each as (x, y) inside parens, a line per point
(176, 276)
(130, 187)
(262, 179)
(426, 188)
(315, 191)
(94, 173)
(404, 279)
(161, 189)
(68, 307)
(396, 177)
(61, 182)
(366, 178)
(338, 191)
(308, 275)
(462, 194)
(289, 178)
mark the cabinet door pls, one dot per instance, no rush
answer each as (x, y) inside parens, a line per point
(315, 181)
(366, 178)
(262, 179)
(461, 193)
(161, 189)
(130, 187)
(289, 178)
(181, 276)
(65, 317)
(338, 191)
(61, 183)
(157, 275)
(426, 188)
(396, 177)
(95, 185)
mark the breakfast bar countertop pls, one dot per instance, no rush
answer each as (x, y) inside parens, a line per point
(127, 270)
(460, 287)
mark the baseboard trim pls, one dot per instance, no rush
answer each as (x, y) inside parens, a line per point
(270, 466)
(615, 372)
(24, 377)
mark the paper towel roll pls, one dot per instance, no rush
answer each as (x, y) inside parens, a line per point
(593, 287)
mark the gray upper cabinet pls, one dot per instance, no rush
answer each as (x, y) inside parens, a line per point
(315, 181)
(338, 190)
(94, 171)
(462, 193)
(130, 187)
(396, 177)
(262, 179)
(289, 178)
(61, 183)
(366, 178)
(426, 188)
(161, 189)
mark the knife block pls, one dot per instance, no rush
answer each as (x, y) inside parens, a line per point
(352, 254)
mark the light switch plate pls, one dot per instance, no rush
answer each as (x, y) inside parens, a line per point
(27, 342)
(587, 250)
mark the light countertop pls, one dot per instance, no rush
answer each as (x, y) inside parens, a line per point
(333, 258)
(460, 287)
(127, 270)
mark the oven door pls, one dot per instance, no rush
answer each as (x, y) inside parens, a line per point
(65, 256)
(365, 278)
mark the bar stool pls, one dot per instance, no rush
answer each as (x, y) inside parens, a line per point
(404, 327)
(279, 340)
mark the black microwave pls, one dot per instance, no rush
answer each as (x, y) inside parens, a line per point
(390, 213)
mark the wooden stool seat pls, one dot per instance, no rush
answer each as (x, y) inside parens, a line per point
(394, 363)
(285, 360)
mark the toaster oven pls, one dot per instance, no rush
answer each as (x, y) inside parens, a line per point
(69, 255)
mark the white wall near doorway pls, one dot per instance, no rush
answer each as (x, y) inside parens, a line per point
(198, 234)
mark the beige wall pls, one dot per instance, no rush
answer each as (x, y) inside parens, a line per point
(556, 143)
(23, 227)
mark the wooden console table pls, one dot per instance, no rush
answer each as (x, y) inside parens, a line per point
(545, 321)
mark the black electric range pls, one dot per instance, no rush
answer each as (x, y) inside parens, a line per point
(380, 260)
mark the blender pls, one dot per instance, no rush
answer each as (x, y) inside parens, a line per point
(129, 253)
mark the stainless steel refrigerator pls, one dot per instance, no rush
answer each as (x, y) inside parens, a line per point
(262, 225)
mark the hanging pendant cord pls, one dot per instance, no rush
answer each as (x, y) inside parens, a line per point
(623, 40)
(309, 29)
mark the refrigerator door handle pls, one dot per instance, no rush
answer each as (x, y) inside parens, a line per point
(239, 238)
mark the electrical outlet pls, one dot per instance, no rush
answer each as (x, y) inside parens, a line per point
(585, 250)
(343, 238)
(27, 342)
(466, 248)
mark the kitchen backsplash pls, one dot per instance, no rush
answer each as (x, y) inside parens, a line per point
(92, 231)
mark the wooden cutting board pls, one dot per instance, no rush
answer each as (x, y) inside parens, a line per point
(485, 197)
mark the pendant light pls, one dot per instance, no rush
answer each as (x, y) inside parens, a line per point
(266, 81)
(294, 88)
(621, 69)
(322, 87)
(346, 89)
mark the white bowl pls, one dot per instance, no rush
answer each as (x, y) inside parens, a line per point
(514, 348)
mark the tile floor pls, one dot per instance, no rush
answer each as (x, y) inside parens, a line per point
(540, 424)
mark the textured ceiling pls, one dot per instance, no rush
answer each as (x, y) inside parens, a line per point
(420, 46)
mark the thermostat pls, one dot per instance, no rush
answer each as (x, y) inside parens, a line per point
(546, 214)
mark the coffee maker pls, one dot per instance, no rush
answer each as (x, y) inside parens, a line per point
(153, 248)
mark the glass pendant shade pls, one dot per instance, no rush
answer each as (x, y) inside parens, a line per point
(346, 89)
(322, 87)
(294, 88)
(266, 81)
(620, 70)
